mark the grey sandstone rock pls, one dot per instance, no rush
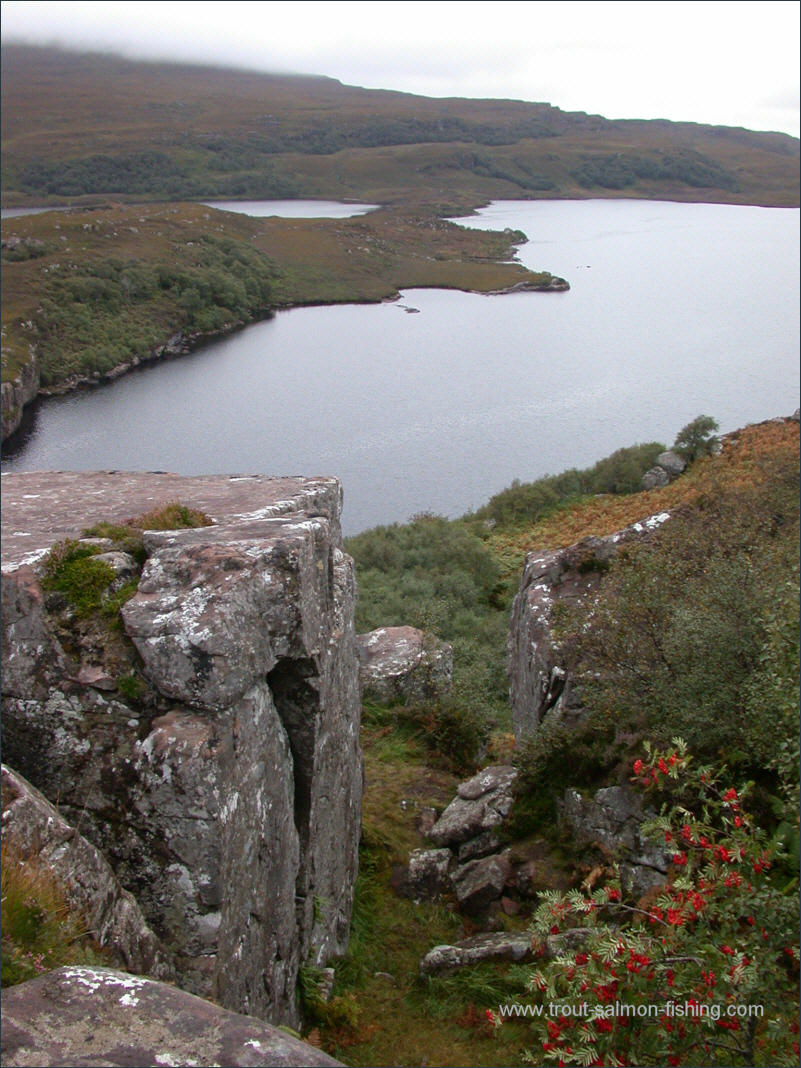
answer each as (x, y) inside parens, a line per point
(429, 873)
(655, 477)
(33, 829)
(98, 1017)
(228, 801)
(495, 779)
(669, 465)
(480, 882)
(567, 942)
(488, 802)
(403, 664)
(480, 846)
(671, 462)
(482, 947)
(612, 818)
(32, 655)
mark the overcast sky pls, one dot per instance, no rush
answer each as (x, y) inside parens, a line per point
(734, 63)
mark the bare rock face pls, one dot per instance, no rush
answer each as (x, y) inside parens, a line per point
(34, 829)
(228, 797)
(612, 820)
(539, 684)
(97, 1016)
(403, 664)
(16, 393)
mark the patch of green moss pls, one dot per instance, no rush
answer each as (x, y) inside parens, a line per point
(70, 569)
(130, 686)
(126, 537)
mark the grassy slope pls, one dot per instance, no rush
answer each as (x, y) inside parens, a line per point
(740, 463)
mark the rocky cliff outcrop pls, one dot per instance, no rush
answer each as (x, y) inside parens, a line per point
(227, 794)
(34, 830)
(539, 683)
(15, 394)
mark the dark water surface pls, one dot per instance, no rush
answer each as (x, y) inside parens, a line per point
(674, 310)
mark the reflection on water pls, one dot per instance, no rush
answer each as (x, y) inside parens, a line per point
(292, 209)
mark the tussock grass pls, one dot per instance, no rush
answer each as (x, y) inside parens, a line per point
(40, 929)
(173, 515)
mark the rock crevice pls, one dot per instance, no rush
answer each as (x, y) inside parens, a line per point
(229, 802)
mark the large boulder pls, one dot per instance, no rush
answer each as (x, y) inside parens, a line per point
(481, 804)
(34, 830)
(480, 882)
(226, 796)
(99, 1017)
(428, 875)
(667, 467)
(403, 664)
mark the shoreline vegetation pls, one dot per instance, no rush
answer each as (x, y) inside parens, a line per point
(90, 294)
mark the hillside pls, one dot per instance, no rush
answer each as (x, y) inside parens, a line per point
(84, 125)
(102, 133)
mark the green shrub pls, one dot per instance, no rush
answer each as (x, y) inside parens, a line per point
(696, 439)
(131, 686)
(171, 516)
(558, 755)
(96, 314)
(438, 575)
(454, 731)
(695, 633)
(622, 471)
(126, 538)
(527, 502)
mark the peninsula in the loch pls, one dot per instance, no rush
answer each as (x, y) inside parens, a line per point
(136, 271)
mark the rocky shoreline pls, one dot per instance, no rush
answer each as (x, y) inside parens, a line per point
(25, 388)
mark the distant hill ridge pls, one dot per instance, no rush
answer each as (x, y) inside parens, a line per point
(84, 124)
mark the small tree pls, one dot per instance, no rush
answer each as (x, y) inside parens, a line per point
(703, 971)
(696, 439)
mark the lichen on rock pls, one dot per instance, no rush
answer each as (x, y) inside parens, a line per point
(227, 794)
